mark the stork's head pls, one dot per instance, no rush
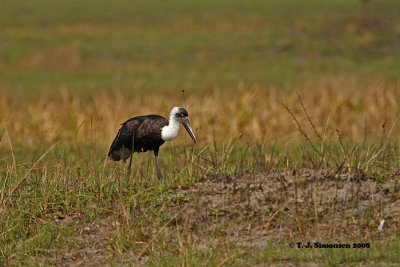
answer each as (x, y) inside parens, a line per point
(182, 116)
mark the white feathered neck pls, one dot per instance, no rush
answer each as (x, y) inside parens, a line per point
(171, 131)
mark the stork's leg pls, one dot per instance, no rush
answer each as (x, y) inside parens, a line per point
(158, 168)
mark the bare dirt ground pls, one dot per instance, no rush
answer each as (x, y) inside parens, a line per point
(251, 211)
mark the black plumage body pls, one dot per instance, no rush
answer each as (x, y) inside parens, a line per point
(144, 131)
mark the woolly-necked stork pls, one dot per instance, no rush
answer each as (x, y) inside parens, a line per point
(148, 133)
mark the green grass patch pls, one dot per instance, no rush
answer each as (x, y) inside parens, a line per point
(97, 45)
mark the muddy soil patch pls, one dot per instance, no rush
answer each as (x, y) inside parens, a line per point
(251, 210)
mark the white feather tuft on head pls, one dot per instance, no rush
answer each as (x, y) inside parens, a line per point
(173, 112)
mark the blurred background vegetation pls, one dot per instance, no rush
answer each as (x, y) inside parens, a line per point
(64, 64)
(166, 46)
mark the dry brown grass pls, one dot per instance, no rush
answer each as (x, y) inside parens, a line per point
(257, 114)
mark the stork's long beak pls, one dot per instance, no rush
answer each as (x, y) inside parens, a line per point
(189, 129)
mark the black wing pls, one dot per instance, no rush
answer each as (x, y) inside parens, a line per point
(148, 135)
(123, 140)
(145, 130)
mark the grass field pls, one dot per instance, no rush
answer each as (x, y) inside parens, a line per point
(294, 103)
